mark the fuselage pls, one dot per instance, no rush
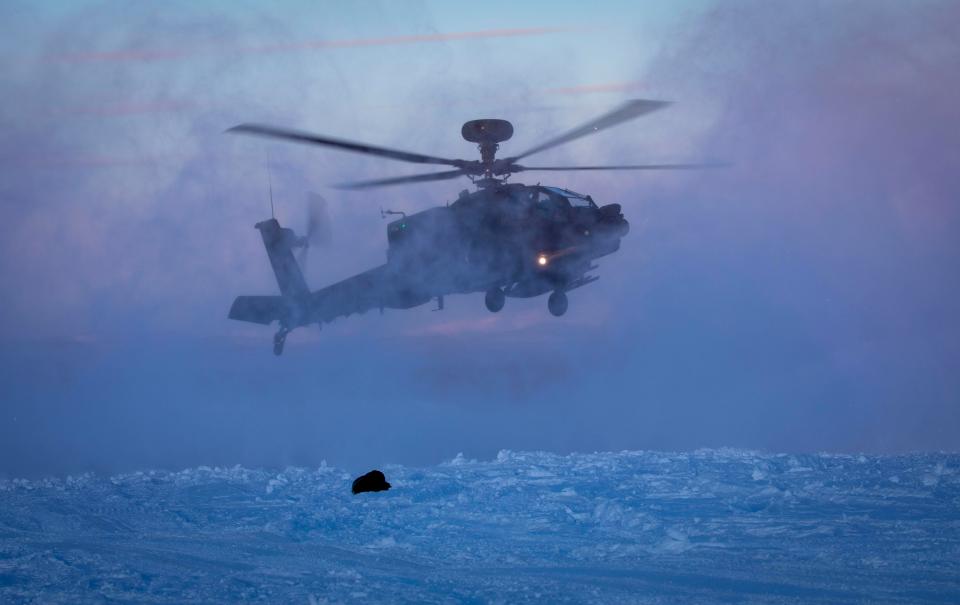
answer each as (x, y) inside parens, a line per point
(508, 240)
(526, 240)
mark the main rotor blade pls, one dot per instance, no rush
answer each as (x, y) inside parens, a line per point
(315, 139)
(516, 168)
(399, 180)
(628, 111)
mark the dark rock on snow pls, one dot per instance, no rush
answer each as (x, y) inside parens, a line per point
(374, 481)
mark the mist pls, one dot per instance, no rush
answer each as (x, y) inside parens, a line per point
(802, 299)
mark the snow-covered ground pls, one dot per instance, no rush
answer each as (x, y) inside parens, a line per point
(633, 527)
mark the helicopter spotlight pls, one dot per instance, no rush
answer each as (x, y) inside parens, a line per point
(504, 239)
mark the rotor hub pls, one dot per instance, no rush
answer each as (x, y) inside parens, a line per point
(487, 133)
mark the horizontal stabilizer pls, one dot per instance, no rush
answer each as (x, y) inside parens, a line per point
(258, 309)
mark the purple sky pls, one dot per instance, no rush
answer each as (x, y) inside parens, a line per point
(804, 299)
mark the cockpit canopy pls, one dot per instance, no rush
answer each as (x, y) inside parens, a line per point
(576, 200)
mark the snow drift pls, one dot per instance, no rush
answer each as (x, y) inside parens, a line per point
(637, 527)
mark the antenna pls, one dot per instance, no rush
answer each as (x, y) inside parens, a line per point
(270, 185)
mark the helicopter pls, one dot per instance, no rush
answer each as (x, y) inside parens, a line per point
(505, 240)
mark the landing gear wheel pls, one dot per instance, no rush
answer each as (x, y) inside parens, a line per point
(557, 303)
(495, 299)
(278, 340)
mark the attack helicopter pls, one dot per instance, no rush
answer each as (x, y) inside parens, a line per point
(505, 240)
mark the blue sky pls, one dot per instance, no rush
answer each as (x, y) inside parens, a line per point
(803, 299)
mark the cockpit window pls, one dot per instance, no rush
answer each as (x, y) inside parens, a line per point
(551, 206)
(575, 199)
(551, 200)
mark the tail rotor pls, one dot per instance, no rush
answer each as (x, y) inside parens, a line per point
(319, 231)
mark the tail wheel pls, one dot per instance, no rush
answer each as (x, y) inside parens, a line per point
(495, 299)
(278, 341)
(557, 303)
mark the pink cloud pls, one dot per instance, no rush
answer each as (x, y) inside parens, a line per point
(170, 55)
(127, 108)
